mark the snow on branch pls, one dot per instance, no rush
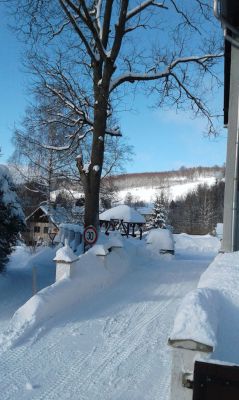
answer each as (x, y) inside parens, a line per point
(132, 77)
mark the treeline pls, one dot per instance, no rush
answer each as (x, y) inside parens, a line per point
(164, 179)
(199, 212)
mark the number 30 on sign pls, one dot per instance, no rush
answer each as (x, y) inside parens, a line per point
(90, 234)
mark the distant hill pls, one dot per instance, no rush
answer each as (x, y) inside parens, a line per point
(146, 185)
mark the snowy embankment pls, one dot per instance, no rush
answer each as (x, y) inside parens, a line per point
(210, 314)
(111, 344)
(16, 281)
(92, 273)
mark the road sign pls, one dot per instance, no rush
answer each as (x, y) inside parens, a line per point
(90, 234)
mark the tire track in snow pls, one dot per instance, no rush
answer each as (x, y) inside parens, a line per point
(114, 356)
(122, 340)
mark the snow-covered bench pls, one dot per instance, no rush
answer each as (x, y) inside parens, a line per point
(206, 324)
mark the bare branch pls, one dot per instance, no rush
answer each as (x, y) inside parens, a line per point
(132, 77)
(77, 29)
(142, 6)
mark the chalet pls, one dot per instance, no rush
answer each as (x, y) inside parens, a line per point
(42, 225)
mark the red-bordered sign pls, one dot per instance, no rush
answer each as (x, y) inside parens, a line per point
(90, 234)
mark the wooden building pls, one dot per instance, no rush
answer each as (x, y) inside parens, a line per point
(42, 225)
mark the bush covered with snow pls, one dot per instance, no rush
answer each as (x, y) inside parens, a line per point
(11, 215)
(160, 240)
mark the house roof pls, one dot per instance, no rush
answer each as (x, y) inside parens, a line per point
(122, 212)
(57, 215)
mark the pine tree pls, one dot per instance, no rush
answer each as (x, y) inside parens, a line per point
(160, 211)
(11, 215)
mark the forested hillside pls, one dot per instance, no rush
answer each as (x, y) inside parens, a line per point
(165, 178)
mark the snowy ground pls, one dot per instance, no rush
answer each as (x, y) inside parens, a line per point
(112, 345)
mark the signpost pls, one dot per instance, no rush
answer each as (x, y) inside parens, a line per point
(90, 235)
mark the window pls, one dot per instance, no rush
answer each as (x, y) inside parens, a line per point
(36, 229)
(45, 230)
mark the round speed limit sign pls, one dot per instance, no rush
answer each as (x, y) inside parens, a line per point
(90, 234)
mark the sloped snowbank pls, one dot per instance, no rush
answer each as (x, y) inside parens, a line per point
(197, 318)
(205, 243)
(210, 314)
(92, 273)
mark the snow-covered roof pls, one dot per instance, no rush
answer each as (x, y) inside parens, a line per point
(57, 215)
(145, 210)
(122, 212)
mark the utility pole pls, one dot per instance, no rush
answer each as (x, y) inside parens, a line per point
(227, 11)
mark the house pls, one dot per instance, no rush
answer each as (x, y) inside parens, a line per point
(42, 225)
(147, 212)
(123, 218)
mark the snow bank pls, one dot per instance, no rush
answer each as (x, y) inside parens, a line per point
(123, 212)
(92, 273)
(160, 240)
(210, 314)
(197, 318)
(206, 243)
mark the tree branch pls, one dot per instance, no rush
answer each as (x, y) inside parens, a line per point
(142, 6)
(132, 77)
(77, 29)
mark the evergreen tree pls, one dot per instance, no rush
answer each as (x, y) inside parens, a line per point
(11, 215)
(160, 211)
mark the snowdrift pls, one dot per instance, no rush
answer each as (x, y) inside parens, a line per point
(205, 243)
(210, 314)
(91, 275)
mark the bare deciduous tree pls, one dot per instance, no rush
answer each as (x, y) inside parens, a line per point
(87, 54)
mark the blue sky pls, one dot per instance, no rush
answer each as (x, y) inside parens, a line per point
(162, 140)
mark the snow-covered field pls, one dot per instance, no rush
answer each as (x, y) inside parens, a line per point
(147, 194)
(173, 191)
(113, 343)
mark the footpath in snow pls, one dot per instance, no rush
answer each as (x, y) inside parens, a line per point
(110, 345)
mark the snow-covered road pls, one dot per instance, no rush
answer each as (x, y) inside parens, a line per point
(112, 346)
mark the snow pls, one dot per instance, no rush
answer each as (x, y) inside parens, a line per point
(105, 243)
(90, 275)
(210, 314)
(197, 318)
(219, 230)
(122, 212)
(86, 168)
(204, 243)
(101, 335)
(160, 239)
(173, 190)
(65, 254)
(9, 196)
(96, 168)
